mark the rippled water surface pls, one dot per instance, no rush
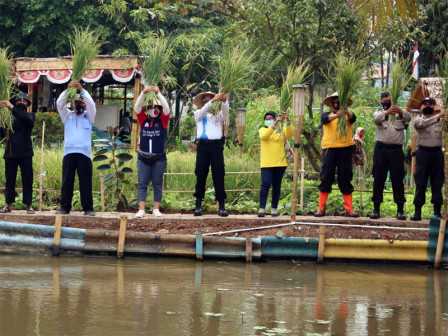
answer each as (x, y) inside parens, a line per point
(76, 296)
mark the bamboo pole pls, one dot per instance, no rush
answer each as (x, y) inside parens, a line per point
(135, 126)
(240, 124)
(298, 112)
(414, 143)
(321, 246)
(57, 235)
(302, 183)
(360, 178)
(122, 236)
(41, 175)
(31, 95)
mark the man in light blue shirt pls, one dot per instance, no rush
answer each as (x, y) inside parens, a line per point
(78, 121)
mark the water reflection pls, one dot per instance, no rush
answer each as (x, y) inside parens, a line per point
(74, 296)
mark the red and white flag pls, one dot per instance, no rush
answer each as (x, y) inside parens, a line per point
(415, 73)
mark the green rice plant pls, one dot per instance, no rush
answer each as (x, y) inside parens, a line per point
(348, 74)
(443, 74)
(235, 68)
(6, 88)
(156, 52)
(400, 79)
(294, 75)
(85, 46)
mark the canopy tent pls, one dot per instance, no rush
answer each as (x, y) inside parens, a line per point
(35, 72)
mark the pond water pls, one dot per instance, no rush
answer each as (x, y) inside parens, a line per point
(93, 296)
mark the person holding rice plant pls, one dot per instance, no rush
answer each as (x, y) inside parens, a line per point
(78, 121)
(210, 150)
(388, 155)
(19, 152)
(429, 158)
(337, 152)
(153, 118)
(273, 158)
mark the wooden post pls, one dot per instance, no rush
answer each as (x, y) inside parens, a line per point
(135, 132)
(302, 183)
(57, 235)
(31, 95)
(321, 247)
(248, 250)
(294, 184)
(102, 190)
(41, 175)
(440, 243)
(122, 236)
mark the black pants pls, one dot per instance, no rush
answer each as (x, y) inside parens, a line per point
(71, 164)
(388, 158)
(210, 153)
(429, 164)
(340, 158)
(26, 170)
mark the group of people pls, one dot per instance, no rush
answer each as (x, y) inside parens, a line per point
(339, 151)
(388, 158)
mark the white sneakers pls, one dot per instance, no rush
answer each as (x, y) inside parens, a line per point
(155, 213)
(140, 214)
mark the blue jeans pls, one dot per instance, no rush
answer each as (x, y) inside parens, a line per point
(153, 173)
(271, 176)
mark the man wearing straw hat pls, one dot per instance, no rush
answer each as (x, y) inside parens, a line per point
(388, 155)
(78, 122)
(336, 153)
(210, 150)
(19, 152)
(429, 158)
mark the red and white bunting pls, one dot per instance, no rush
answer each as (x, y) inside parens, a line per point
(59, 76)
(123, 75)
(92, 76)
(28, 77)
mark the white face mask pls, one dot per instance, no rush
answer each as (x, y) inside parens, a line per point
(268, 123)
(153, 112)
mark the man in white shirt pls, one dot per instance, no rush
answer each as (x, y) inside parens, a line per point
(210, 148)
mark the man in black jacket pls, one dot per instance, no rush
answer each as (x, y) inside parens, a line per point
(19, 152)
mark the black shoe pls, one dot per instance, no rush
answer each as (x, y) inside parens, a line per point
(89, 213)
(416, 217)
(223, 213)
(350, 213)
(400, 215)
(417, 214)
(274, 214)
(375, 214)
(222, 209)
(5, 209)
(62, 212)
(261, 214)
(320, 213)
(198, 209)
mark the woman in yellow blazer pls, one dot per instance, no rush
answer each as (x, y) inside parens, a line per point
(273, 158)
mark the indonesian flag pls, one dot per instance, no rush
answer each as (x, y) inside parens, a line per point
(415, 73)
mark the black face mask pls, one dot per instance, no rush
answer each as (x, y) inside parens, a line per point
(336, 105)
(79, 109)
(428, 110)
(21, 106)
(205, 101)
(387, 105)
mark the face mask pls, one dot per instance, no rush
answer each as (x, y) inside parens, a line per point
(336, 105)
(268, 123)
(387, 105)
(428, 110)
(79, 109)
(21, 106)
(153, 112)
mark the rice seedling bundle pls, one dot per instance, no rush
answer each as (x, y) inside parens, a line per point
(6, 88)
(400, 79)
(235, 68)
(348, 74)
(294, 75)
(85, 46)
(157, 53)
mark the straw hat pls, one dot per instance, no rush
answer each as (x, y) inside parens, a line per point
(198, 99)
(329, 100)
